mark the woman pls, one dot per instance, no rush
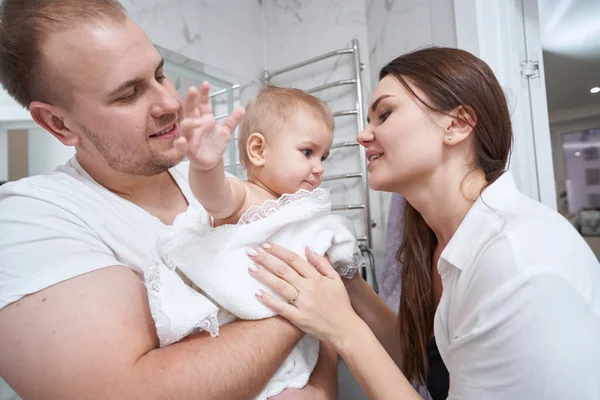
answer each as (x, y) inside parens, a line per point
(508, 289)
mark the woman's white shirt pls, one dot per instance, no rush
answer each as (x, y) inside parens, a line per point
(519, 317)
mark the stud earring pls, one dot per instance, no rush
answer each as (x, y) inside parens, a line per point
(449, 137)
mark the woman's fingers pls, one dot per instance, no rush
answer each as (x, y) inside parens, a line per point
(291, 259)
(322, 264)
(279, 267)
(280, 307)
(286, 290)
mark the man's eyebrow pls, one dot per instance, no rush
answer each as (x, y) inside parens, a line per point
(136, 81)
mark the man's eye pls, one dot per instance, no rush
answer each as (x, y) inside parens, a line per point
(130, 97)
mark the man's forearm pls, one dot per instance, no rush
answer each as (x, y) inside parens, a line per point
(236, 365)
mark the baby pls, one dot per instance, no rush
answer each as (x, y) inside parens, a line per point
(285, 136)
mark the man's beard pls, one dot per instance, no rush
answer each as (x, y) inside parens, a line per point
(132, 163)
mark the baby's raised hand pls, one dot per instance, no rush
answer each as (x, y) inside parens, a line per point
(202, 140)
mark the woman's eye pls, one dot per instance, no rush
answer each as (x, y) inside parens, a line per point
(160, 78)
(306, 152)
(383, 116)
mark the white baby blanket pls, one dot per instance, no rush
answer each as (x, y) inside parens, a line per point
(216, 261)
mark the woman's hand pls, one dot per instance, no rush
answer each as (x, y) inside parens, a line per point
(317, 299)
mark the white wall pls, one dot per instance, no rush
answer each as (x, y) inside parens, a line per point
(10, 110)
(45, 152)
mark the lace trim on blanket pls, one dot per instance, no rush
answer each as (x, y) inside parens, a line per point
(161, 320)
(267, 208)
(209, 324)
(348, 270)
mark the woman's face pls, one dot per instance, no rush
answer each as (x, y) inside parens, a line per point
(404, 140)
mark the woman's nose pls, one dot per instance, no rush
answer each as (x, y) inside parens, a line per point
(365, 136)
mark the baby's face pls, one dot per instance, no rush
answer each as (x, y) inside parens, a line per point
(294, 157)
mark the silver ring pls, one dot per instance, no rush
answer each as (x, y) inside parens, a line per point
(295, 297)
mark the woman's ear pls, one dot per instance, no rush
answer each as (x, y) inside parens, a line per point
(461, 122)
(52, 119)
(255, 148)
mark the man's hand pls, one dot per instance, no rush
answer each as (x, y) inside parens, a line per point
(202, 140)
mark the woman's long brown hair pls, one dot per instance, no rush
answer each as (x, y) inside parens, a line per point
(449, 78)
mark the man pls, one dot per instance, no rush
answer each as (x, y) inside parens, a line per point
(74, 314)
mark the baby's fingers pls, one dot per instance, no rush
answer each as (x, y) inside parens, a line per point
(181, 145)
(191, 103)
(203, 103)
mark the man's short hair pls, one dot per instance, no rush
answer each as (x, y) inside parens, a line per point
(24, 26)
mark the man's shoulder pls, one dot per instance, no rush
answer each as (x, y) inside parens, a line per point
(48, 185)
(58, 193)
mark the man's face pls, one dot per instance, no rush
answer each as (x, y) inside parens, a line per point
(120, 101)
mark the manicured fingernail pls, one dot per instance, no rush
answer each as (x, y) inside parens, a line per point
(265, 246)
(311, 250)
(253, 268)
(252, 252)
(259, 293)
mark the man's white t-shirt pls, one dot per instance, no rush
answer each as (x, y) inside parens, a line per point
(60, 225)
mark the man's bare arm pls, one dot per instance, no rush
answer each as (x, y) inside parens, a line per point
(93, 337)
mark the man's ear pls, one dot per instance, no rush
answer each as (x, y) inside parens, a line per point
(51, 118)
(256, 149)
(459, 124)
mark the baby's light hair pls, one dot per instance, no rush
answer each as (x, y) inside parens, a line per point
(268, 112)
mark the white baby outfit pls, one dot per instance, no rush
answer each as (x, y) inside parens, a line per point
(216, 261)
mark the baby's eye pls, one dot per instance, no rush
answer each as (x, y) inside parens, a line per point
(306, 152)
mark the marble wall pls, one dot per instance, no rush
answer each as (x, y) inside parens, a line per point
(228, 43)
(399, 26)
